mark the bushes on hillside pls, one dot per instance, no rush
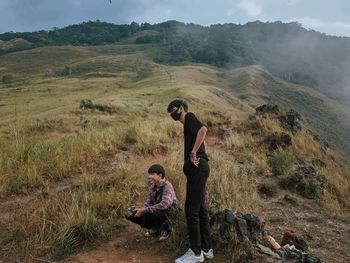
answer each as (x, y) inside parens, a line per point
(7, 79)
(281, 162)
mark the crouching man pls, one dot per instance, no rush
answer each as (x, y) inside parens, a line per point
(160, 207)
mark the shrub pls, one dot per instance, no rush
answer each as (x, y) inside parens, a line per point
(285, 182)
(7, 79)
(268, 188)
(309, 188)
(86, 104)
(281, 162)
(79, 227)
(131, 135)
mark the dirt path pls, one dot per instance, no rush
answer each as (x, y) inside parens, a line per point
(130, 245)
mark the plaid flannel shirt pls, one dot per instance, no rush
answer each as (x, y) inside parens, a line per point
(168, 198)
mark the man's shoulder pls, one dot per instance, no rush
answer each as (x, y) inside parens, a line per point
(190, 116)
(168, 184)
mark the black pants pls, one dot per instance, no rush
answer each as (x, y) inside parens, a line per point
(159, 220)
(195, 208)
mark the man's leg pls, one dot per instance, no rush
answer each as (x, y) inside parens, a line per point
(195, 190)
(203, 213)
(157, 220)
(138, 220)
(151, 220)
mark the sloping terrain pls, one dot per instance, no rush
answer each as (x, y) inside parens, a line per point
(324, 116)
(68, 173)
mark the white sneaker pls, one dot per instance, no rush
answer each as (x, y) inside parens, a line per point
(151, 232)
(190, 257)
(209, 254)
(164, 235)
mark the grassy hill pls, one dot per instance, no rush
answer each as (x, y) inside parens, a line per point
(67, 173)
(288, 50)
(324, 116)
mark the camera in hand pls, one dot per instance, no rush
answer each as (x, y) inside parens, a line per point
(131, 213)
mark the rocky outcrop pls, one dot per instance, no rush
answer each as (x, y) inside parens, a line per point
(276, 140)
(267, 108)
(243, 236)
(307, 182)
(291, 121)
(87, 104)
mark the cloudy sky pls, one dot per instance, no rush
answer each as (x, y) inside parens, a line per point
(328, 16)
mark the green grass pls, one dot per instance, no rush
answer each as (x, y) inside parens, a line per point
(281, 162)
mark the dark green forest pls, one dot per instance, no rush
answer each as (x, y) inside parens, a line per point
(288, 50)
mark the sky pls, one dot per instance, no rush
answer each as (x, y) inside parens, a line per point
(328, 16)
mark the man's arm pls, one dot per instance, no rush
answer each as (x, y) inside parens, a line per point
(167, 200)
(202, 132)
(199, 139)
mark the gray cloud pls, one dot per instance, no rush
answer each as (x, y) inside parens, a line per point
(29, 15)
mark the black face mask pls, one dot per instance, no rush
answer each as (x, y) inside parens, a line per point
(175, 115)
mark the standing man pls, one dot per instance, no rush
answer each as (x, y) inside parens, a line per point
(196, 169)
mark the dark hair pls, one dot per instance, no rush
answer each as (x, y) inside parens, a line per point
(158, 169)
(177, 103)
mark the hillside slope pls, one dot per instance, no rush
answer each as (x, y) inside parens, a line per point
(324, 116)
(69, 168)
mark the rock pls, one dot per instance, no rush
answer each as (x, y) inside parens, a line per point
(291, 254)
(307, 182)
(247, 226)
(267, 108)
(242, 235)
(237, 232)
(268, 251)
(255, 226)
(291, 121)
(88, 104)
(309, 172)
(276, 140)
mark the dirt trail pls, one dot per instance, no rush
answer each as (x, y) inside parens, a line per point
(130, 245)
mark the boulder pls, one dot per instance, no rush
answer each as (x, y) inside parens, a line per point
(267, 108)
(237, 232)
(241, 235)
(291, 121)
(308, 172)
(276, 140)
(307, 182)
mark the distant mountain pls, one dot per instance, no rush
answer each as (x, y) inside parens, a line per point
(287, 50)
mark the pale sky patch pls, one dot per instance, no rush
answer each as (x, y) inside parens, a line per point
(251, 7)
(329, 27)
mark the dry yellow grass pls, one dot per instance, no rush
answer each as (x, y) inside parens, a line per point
(43, 142)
